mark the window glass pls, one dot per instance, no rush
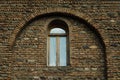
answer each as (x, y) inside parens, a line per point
(52, 55)
(57, 43)
(57, 30)
(63, 51)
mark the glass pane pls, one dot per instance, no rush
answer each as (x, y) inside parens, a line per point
(52, 54)
(57, 30)
(63, 51)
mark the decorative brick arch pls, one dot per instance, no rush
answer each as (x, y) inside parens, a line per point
(62, 12)
(51, 11)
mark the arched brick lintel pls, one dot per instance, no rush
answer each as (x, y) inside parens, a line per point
(64, 11)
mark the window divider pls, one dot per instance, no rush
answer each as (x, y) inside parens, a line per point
(58, 51)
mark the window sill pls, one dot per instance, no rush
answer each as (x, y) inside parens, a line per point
(60, 68)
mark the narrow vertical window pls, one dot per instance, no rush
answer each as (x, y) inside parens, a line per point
(57, 46)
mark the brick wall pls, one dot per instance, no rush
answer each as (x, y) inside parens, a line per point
(94, 39)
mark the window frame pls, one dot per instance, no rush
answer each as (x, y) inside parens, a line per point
(57, 37)
(65, 28)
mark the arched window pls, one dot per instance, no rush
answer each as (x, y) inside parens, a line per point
(57, 44)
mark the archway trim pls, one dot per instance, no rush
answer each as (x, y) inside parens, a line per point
(66, 11)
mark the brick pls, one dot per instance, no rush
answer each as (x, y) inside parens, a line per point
(94, 39)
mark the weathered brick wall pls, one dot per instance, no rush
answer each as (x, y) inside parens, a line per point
(94, 43)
